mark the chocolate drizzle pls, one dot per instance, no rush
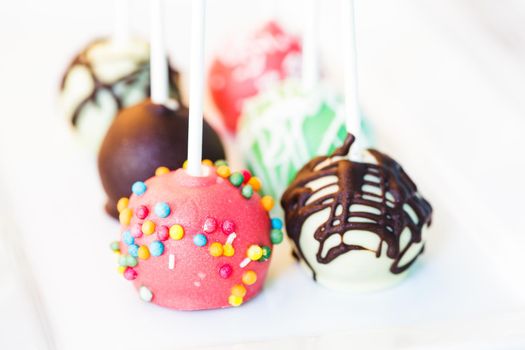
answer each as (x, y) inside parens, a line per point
(384, 187)
(128, 80)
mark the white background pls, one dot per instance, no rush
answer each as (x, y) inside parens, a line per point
(443, 83)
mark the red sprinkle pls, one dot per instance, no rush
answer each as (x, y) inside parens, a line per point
(163, 232)
(228, 227)
(226, 271)
(130, 274)
(247, 176)
(142, 212)
(136, 230)
(210, 225)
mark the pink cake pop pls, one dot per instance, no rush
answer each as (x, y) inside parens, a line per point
(193, 243)
(250, 66)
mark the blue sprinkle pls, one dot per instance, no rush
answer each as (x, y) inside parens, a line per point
(138, 188)
(156, 248)
(133, 250)
(162, 209)
(277, 223)
(200, 240)
(128, 238)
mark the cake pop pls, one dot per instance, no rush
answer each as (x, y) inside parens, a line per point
(143, 138)
(193, 243)
(356, 225)
(101, 80)
(249, 66)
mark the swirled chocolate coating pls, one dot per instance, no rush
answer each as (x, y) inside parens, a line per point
(384, 187)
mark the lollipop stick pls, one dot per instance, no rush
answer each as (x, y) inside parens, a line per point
(351, 95)
(310, 64)
(121, 25)
(158, 59)
(198, 12)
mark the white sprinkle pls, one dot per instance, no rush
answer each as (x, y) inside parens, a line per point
(245, 262)
(231, 238)
(197, 283)
(171, 261)
(201, 275)
(145, 294)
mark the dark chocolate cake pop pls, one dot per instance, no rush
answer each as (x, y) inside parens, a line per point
(356, 225)
(143, 138)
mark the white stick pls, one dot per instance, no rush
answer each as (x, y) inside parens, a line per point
(121, 24)
(351, 95)
(198, 15)
(310, 60)
(158, 58)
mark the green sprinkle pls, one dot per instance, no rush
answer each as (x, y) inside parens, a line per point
(236, 179)
(131, 261)
(114, 246)
(276, 236)
(220, 162)
(267, 252)
(247, 191)
(122, 261)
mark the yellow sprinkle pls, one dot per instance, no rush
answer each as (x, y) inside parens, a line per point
(185, 164)
(125, 216)
(207, 162)
(216, 249)
(176, 232)
(235, 300)
(267, 203)
(254, 252)
(255, 183)
(121, 269)
(148, 227)
(228, 250)
(239, 290)
(143, 252)
(249, 277)
(161, 170)
(223, 171)
(122, 204)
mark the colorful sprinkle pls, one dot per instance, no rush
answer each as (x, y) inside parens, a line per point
(136, 230)
(276, 236)
(247, 191)
(142, 212)
(210, 225)
(163, 233)
(235, 300)
(231, 238)
(156, 248)
(249, 278)
(238, 290)
(255, 182)
(277, 223)
(122, 260)
(176, 232)
(130, 274)
(244, 263)
(200, 240)
(267, 203)
(122, 204)
(216, 249)
(236, 179)
(207, 162)
(121, 269)
(220, 162)
(125, 216)
(131, 261)
(246, 176)
(228, 226)
(185, 164)
(228, 250)
(171, 261)
(145, 294)
(254, 252)
(161, 170)
(267, 252)
(139, 188)
(162, 209)
(143, 252)
(114, 246)
(127, 238)
(225, 271)
(148, 227)
(223, 171)
(133, 250)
